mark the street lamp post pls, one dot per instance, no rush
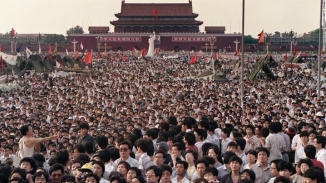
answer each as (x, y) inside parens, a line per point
(98, 39)
(268, 40)
(15, 41)
(291, 34)
(105, 47)
(211, 41)
(11, 41)
(39, 41)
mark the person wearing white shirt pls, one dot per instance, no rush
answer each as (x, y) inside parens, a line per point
(296, 141)
(299, 151)
(319, 143)
(180, 169)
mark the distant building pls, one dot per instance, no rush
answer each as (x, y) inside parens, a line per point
(98, 29)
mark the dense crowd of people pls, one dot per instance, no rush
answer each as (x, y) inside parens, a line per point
(155, 122)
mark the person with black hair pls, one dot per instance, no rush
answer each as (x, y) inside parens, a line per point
(201, 165)
(211, 174)
(40, 177)
(225, 134)
(159, 157)
(27, 143)
(153, 174)
(212, 137)
(251, 139)
(62, 157)
(18, 173)
(285, 169)
(225, 169)
(176, 152)
(189, 140)
(180, 170)
(77, 150)
(213, 152)
(139, 179)
(84, 136)
(133, 172)
(275, 142)
(93, 178)
(152, 135)
(234, 175)
(102, 142)
(29, 165)
(56, 173)
(251, 159)
(232, 146)
(200, 136)
(274, 169)
(282, 179)
(261, 168)
(124, 150)
(319, 143)
(310, 152)
(99, 169)
(248, 174)
(166, 173)
(142, 146)
(240, 149)
(17, 180)
(296, 141)
(299, 150)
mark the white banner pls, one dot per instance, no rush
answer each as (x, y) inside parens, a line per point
(10, 59)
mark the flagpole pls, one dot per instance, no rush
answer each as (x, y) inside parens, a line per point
(319, 50)
(242, 54)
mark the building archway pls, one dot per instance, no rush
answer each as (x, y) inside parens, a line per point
(119, 49)
(176, 49)
(193, 49)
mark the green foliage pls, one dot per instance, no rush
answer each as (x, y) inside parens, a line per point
(250, 40)
(54, 38)
(75, 30)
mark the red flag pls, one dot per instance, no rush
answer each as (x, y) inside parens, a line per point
(143, 52)
(88, 58)
(0, 47)
(76, 55)
(295, 51)
(193, 59)
(156, 51)
(215, 56)
(50, 50)
(261, 37)
(237, 52)
(98, 55)
(13, 32)
(155, 13)
(322, 51)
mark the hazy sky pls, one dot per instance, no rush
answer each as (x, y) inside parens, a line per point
(57, 16)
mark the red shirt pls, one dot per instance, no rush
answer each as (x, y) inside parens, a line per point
(318, 163)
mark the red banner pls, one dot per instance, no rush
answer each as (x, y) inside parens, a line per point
(192, 39)
(121, 39)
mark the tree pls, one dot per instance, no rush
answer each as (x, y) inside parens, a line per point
(54, 38)
(250, 40)
(75, 30)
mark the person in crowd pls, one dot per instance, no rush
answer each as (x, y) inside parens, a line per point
(27, 143)
(153, 174)
(234, 176)
(180, 170)
(191, 157)
(251, 158)
(262, 168)
(225, 169)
